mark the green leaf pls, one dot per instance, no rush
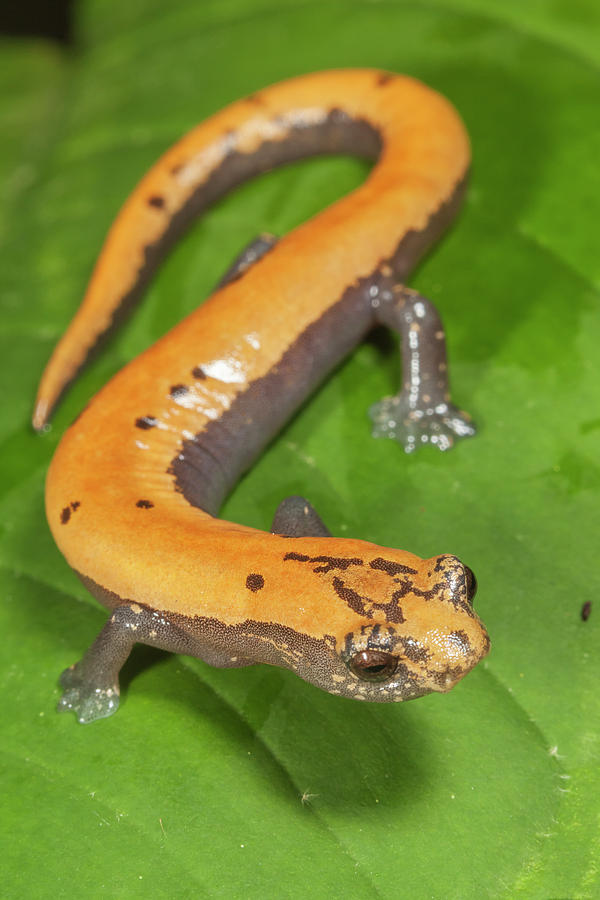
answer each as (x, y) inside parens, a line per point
(251, 783)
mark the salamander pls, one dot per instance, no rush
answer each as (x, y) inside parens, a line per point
(134, 489)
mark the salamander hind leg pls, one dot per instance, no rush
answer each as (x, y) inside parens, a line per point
(421, 413)
(296, 517)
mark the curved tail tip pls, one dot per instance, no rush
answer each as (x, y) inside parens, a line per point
(39, 419)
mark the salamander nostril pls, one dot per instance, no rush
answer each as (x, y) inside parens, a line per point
(373, 665)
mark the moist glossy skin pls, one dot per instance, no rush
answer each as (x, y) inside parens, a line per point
(135, 486)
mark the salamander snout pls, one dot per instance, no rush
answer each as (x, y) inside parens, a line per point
(429, 639)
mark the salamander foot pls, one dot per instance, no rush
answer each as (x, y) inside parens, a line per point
(441, 425)
(87, 700)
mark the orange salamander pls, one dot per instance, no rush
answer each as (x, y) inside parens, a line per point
(134, 489)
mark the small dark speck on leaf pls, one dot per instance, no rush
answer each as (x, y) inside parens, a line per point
(586, 610)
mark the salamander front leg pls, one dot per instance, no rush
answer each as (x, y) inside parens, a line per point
(255, 250)
(296, 517)
(91, 686)
(421, 413)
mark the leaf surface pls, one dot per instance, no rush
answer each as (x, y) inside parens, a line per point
(250, 783)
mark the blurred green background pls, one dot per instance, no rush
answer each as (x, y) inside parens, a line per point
(250, 783)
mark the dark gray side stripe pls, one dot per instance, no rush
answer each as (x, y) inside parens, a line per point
(207, 466)
(338, 133)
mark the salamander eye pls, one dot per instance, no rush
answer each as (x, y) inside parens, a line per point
(471, 584)
(373, 665)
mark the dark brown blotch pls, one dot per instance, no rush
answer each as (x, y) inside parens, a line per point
(390, 567)
(178, 390)
(455, 673)
(65, 514)
(146, 422)
(461, 637)
(384, 78)
(392, 610)
(349, 596)
(413, 650)
(145, 504)
(326, 563)
(430, 594)
(199, 373)
(406, 587)
(156, 201)
(255, 581)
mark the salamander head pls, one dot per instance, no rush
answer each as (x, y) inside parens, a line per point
(413, 631)
(427, 640)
